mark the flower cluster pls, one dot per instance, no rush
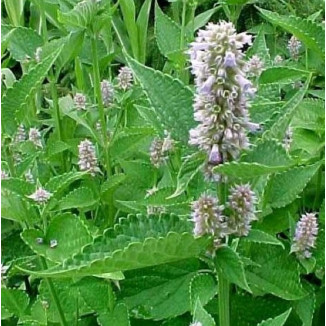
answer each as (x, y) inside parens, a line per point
(35, 137)
(107, 91)
(125, 78)
(159, 149)
(287, 141)
(20, 135)
(222, 90)
(41, 196)
(278, 59)
(305, 235)
(80, 101)
(294, 46)
(87, 157)
(210, 218)
(38, 54)
(4, 175)
(255, 66)
(29, 177)
(242, 202)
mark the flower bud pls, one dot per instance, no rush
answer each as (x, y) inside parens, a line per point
(87, 157)
(107, 91)
(41, 196)
(125, 78)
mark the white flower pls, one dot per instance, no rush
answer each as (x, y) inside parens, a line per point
(125, 78)
(35, 137)
(41, 196)
(80, 101)
(87, 157)
(107, 91)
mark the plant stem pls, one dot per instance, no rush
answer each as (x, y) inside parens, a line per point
(54, 295)
(319, 180)
(223, 300)
(57, 117)
(98, 95)
(183, 75)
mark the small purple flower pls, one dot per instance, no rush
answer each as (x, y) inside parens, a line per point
(305, 235)
(41, 196)
(294, 46)
(229, 59)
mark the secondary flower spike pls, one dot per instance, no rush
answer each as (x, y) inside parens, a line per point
(208, 217)
(80, 101)
(87, 157)
(107, 91)
(242, 201)
(305, 235)
(35, 137)
(294, 46)
(222, 91)
(125, 78)
(41, 196)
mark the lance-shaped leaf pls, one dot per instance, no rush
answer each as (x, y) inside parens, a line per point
(280, 126)
(69, 232)
(136, 242)
(229, 264)
(277, 321)
(170, 98)
(310, 33)
(284, 187)
(13, 302)
(17, 97)
(187, 172)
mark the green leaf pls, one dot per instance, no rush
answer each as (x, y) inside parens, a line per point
(136, 242)
(259, 48)
(259, 236)
(118, 317)
(67, 229)
(286, 114)
(277, 321)
(60, 182)
(129, 19)
(142, 27)
(171, 99)
(229, 264)
(18, 186)
(112, 182)
(15, 11)
(277, 274)
(201, 20)
(80, 198)
(23, 43)
(17, 97)
(268, 152)
(202, 316)
(244, 170)
(310, 33)
(305, 308)
(202, 287)
(160, 292)
(92, 288)
(127, 142)
(72, 304)
(187, 172)
(283, 188)
(310, 115)
(13, 302)
(80, 17)
(282, 75)
(167, 33)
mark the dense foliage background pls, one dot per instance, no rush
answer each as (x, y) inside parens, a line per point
(110, 215)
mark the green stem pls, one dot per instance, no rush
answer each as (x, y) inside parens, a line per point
(57, 117)
(318, 187)
(54, 295)
(43, 21)
(98, 95)
(223, 300)
(183, 75)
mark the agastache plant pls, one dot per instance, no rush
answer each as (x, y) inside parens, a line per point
(125, 78)
(87, 157)
(222, 91)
